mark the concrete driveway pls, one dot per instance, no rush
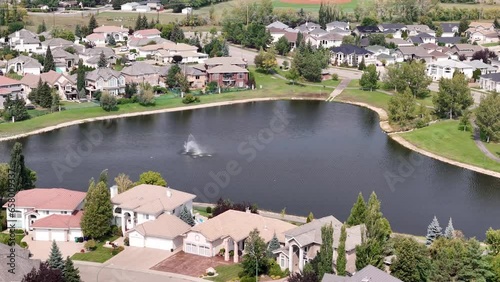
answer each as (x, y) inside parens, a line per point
(41, 249)
(139, 258)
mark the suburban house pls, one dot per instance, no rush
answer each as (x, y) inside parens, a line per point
(139, 42)
(52, 213)
(363, 31)
(23, 65)
(24, 41)
(277, 24)
(449, 29)
(105, 79)
(483, 36)
(422, 38)
(446, 68)
(307, 27)
(466, 50)
(327, 40)
(23, 263)
(140, 72)
(480, 65)
(490, 82)
(228, 76)
(91, 56)
(478, 26)
(351, 55)
(59, 42)
(229, 230)
(398, 42)
(394, 29)
(63, 59)
(9, 87)
(64, 84)
(303, 242)
(129, 6)
(143, 8)
(145, 203)
(171, 49)
(118, 33)
(337, 25)
(276, 33)
(415, 29)
(188, 57)
(448, 41)
(97, 39)
(368, 274)
(196, 76)
(147, 33)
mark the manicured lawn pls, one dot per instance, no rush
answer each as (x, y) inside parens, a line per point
(493, 148)
(227, 273)
(427, 101)
(490, 44)
(445, 139)
(374, 98)
(328, 82)
(202, 211)
(354, 83)
(75, 105)
(5, 237)
(101, 254)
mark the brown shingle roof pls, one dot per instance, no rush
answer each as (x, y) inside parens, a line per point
(165, 226)
(59, 221)
(226, 69)
(49, 198)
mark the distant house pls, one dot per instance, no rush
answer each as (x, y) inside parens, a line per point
(140, 72)
(170, 47)
(450, 29)
(129, 6)
(393, 29)
(229, 230)
(63, 59)
(9, 87)
(90, 56)
(480, 65)
(307, 27)
(53, 214)
(59, 42)
(277, 24)
(143, 8)
(490, 82)
(64, 84)
(135, 43)
(24, 41)
(23, 65)
(118, 32)
(484, 36)
(98, 39)
(327, 40)
(276, 33)
(446, 68)
(337, 25)
(219, 61)
(414, 52)
(476, 26)
(351, 55)
(448, 41)
(368, 274)
(147, 33)
(422, 38)
(23, 263)
(466, 50)
(105, 79)
(415, 29)
(303, 242)
(187, 11)
(398, 42)
(364, 31)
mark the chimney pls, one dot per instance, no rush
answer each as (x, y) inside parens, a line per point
(169, 192)
(113, 191)
(17, 34)
(247, 210)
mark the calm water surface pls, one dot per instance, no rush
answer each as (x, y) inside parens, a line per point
(302, 156)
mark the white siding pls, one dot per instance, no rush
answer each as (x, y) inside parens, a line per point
(58, 235)
(74, 233)
(158, 243)
(41, 235)
(136, 239)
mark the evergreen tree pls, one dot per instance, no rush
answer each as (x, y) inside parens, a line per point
(325, 264)
(92, 24)
(41, 28)
(496, 23)
(186, 216)
(98, 211)
(44, 96)
(370, 252)
(171, 80)
(433, 231)
(15, 109)
(273, 245)
(362, 65)
(78, 31)
(22, 177)
(80, 76)
(103, 177)
(144, 22)
(112, 41)
(300, 40)
(103, 62)
(82, 94)
(358, 212)
(341, 256)
(177, 35)
(448, 232)
(48, 63)
(377, 226)
(310, 217)
(55, 260)
(138, 23)
(56, 101)
(282, 46)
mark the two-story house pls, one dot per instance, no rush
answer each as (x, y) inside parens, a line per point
(446, 69)
(119, 33)
(52, 213)
(351, 55)
(422, 38)
(465, 50)
(91, 56)
(63, 59)
(23, 65)
(450, 29)
(148, 214)
(105, 79)
(24, 41)
(394, 29)
(9, 87)
(303, 242)
(64, 84)
(140, 72)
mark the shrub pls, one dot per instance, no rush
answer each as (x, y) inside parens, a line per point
(116, 251)
(231, 253)
(90, 245)
(18, 231)
(189, 98)
(117, 231)
(126, 242)
(212, 86)
(420, 123)
(210, 274)
(108, 102)
(248, 279)
(241, 274)
(146, 98)
(23, 245)
(123, 101)
(208, 209)
(97, 95)
(274, 269)
(222, 252)
(335, 76)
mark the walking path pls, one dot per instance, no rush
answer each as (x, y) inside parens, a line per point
(343, 84)
(480, 145)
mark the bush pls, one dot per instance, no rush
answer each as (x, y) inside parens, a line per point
(222, 252)
(126, 242)
(146, 98)
(248, 279)
(116, 251)
(241, 274)
(189, 98)
(23, 245)
(212, 86)
(208, 209)
(274, 269)
(108, 102)
(117, 231)
(97, 95)
(231, 253)
(123, 101)
(210, 274)
(18, 231)
(420, 123)
(90, 245)
(335, 76)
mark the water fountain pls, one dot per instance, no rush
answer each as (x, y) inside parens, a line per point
(192, 148)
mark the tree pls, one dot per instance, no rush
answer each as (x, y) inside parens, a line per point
(449, 231)
(55, 260)
(325, 264)
(341, 256)
(362, 64)
(300, 40)
(273, 245)
(186, 216)
(493, 240)
(21, 178)
(303, 277)
(358, 212)
(117, 4)
(463, 26)
(465, 120)
(182, 82)
(377, 226)
(70, 273)
(177, 35)
(171, 80)
(377, 39)
(310, 217)
(41, 28)
(15, 109)
(402, 107)
(152, 178)
(56, 101)
(484, 55)
(369, 21)
(123, 182)
(103, 61)
(95, 222)
(82, 94)
(409, 75)
(433, 231)
(487, 114)
(266, 60)
(348, 40)
(454, 96)
(476, 74)
(292, 75)
(80, 76)
(78, 32)
(92, 24)
(44, 95)
(48, 63)
(411, 263)
(254, 260)
(111, 40)
(369, 252)
(496, 24)
(282, 46)
(4, 181)
(108, 101)
(369, 78)
(43, 274)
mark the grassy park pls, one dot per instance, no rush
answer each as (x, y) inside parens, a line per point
(374, 98)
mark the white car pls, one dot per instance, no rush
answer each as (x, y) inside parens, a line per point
(124, 49)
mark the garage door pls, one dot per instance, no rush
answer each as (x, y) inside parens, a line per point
(204, 251)
(158, 243)
(41, 235)
(191, 248)
(136, 240)
(73, 234)
(58, 235)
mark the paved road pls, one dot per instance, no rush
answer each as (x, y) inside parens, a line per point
(96, 272)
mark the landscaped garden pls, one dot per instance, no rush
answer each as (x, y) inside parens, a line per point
(98, 252)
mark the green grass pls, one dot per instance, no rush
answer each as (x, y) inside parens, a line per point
(445, 139)
(348, 7)
(101, 254)
(75, 105)
(354, 83)
(226, 273)
(5, 238)
(374, 98)
(427, 101)
(328, 82)
(271, 87)
(202, 211)
(36, 113)
(490, 44)
(494, 148)
(467, 6)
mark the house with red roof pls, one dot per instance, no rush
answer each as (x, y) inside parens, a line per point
(147, 33)
(51, 213)
(119, 33)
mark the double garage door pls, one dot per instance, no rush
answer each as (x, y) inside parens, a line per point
(49, 235)
(198, 250)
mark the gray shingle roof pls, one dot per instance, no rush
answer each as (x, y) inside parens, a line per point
(448, 27)
(350, 49)
(139, 68)
(105, 73)
(493, 76)
(23, 263)
(367, 274)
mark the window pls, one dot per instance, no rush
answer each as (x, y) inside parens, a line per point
(240, 75)
(146, 216)
(282, 262)
(64, 212)
(197, 77)
(204, 251)
(46, 212)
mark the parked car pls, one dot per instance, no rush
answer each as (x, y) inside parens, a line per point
(124, 49)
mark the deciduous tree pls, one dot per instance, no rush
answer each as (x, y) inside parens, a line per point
(282, 46)
(255, 258)
(369, 78)
(402, 107)
(411, 263)
(108, 101)
(487, 116)
(44, 274)
(123, 182)
(152, 178)
(341, 256)
(454, 96)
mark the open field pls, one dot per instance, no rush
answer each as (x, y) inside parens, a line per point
(445, 139)
(313, 5)
(467, 6)
(374, 98)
